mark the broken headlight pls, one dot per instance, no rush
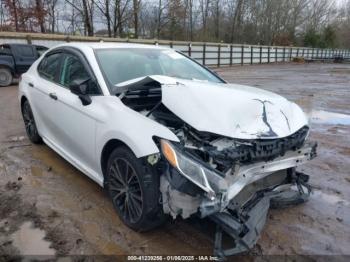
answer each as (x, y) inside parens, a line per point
(198, 174)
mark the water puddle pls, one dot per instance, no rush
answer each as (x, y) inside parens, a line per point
(329, 118)
(329, 198)
(30, 241)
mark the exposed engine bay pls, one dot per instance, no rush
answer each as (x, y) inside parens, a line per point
(232, 181)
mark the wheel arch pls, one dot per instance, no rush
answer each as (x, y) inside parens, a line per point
(108, 149)
(23, 99)
(9, 67)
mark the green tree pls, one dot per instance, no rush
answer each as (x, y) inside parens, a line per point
(312, 38)
(329, 36)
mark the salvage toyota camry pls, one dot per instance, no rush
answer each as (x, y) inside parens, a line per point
(166, 136)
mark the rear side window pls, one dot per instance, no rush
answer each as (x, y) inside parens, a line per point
(50, 66)
(26, 51)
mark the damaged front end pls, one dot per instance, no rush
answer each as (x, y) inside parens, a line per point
(232, 180)
(237, 199)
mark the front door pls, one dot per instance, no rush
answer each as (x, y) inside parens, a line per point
(74, 122)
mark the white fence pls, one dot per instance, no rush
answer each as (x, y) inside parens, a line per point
(210, 54)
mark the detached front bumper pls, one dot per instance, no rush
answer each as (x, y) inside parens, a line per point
(242, 197)
(245, 175)
(245, 226)
(243, 221)
(245, 234)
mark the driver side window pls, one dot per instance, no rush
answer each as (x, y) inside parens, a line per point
(74, 70)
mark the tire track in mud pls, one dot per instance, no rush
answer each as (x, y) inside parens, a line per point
(75, 213)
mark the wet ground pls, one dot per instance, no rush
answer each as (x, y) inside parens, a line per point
(48, 207)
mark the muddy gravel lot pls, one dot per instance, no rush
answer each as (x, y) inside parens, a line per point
(48, 207)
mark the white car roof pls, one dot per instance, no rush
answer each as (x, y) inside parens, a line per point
(103, 45)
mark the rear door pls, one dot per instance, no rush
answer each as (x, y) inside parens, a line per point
(42, 93)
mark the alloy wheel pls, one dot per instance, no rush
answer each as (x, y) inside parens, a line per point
(125, 190)
(29, 120)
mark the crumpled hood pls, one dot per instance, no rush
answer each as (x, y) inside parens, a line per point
(231, 110)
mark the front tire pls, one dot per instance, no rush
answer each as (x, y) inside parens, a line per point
(133, 187)
(29, 123)
(5, 77)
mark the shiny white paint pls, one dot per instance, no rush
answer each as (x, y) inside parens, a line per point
(79, 133)
(231, 110)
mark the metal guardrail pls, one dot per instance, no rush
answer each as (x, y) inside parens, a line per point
(210, 54)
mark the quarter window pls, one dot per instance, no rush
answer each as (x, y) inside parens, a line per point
(49, 66)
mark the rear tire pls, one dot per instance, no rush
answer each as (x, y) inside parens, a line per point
(29, 123)
(5, 77)
(133, 187)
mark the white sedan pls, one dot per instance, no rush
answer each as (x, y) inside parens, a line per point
(166, 136)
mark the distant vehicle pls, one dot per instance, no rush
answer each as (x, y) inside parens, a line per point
(166, 136)
(15, 59)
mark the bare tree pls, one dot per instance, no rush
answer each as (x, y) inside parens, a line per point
(190, 4)
(136, 10)
(86, 12)
(318, 12)
(236, 19)
(40, 14)
(119, 16)
(104, 6)
(88, 16)
(204, 7)
(161, 21)
(51, 7)
(13, 7)
(216, 14)
(281, 22)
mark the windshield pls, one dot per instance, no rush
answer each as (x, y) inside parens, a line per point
(123, 64)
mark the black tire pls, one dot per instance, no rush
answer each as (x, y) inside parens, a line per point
(29, 123)
(133, 187)
(5, 77)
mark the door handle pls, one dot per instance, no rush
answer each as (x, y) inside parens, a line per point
(31, 84)
(53, 96)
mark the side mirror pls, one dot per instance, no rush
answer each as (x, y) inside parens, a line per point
(79, 88)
